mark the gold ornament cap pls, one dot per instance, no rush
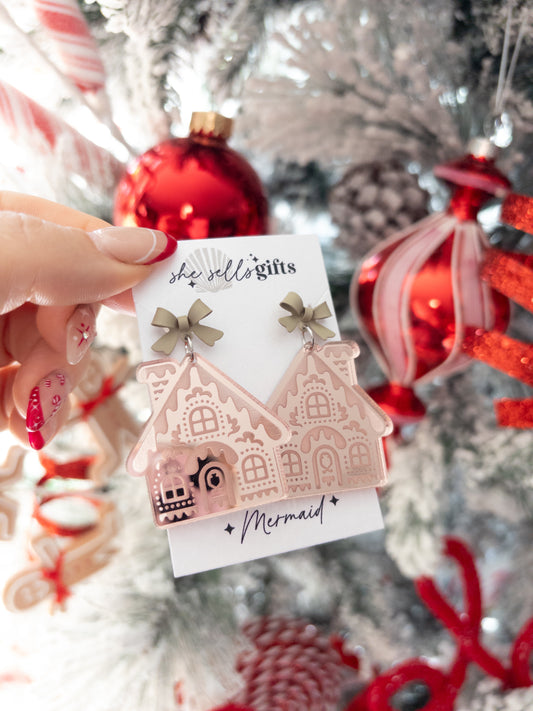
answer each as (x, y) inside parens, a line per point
(209, 123)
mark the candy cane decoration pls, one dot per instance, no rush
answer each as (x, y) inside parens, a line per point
(63, 21)
(32, 125)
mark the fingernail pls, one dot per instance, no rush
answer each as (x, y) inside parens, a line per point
(81, 332)
(134, 245)
(40, 437)
(46, 398)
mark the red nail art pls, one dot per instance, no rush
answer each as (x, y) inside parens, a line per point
(134, 245)
(36, 440)
(172, 245)
(45, 400)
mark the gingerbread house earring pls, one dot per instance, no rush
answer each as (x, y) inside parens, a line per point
(209, 446)
(336, 428)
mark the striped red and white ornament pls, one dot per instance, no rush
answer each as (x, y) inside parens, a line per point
(419, 293)
(31, 125)
(64, 22)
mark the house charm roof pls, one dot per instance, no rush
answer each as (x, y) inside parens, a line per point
(209, 445)
(336, 428)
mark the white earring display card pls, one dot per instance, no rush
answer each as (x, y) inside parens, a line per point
(253, 448)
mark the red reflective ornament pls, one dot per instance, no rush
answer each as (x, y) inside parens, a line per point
(194, 187)
(419, 293)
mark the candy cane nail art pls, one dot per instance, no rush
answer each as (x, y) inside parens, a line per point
(46, 398)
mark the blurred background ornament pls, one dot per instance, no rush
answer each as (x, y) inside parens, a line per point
(194, 187)
(292, 666)
(419, 292)
(372, 201)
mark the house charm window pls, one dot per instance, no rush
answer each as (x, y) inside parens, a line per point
(254, 468)
(292, 464)
(317, 406)
(172, 488)
(359, 455)
(202, 420)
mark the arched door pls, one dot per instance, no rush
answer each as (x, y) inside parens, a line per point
(326, 466)
(215, 481)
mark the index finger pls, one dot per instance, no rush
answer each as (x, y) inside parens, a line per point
(69, 217)
(50, 211)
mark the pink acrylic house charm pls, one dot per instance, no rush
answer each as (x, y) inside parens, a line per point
(209, 445)
(336, 427)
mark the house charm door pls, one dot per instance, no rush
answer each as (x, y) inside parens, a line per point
(327, 468)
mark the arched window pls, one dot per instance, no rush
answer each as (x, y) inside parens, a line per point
(317, 406)
(292, 464)
(359, 455)
(202, 420)
(254, 468)
(173, 488)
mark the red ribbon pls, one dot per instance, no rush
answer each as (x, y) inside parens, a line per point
(465, 626)
(55, 575)
(55, 528)
(107, 390)
(75, 469)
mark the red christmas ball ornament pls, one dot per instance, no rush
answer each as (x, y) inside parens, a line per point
(419, 292)
(194, 187)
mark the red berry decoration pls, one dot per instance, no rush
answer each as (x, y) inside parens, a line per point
(194, 187)
(419, 293)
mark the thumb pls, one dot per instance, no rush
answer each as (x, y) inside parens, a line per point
(46, 263)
